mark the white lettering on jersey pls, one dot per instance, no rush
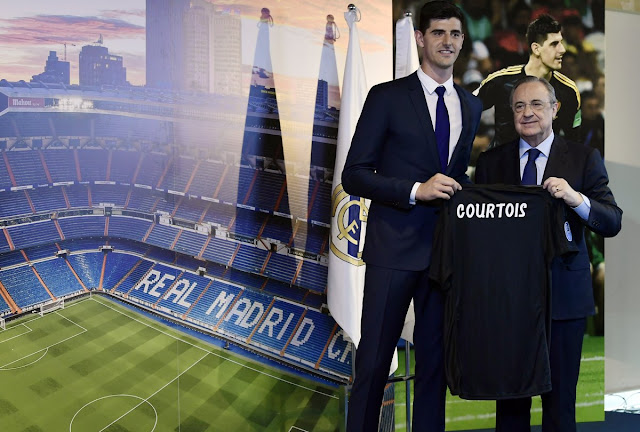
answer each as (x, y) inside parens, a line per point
(488, 210)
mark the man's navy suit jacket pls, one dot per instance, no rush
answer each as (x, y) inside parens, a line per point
(393, 147)
(582, 167)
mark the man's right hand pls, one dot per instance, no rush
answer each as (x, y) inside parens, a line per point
(438, 186)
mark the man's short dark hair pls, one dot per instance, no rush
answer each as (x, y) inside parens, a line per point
(539, 29)
(439, 10)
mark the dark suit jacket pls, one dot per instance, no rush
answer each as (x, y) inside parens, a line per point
(582, 167)
(393, 147)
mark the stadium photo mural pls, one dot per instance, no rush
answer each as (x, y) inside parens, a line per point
(167, 196)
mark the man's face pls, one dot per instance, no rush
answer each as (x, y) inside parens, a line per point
(533, 125)
(590, 108)
(441, 43)
(551, 51)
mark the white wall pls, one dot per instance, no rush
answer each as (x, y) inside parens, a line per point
(622, 142)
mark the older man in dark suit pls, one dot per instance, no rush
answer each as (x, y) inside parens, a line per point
(411, 148)
(575, 174)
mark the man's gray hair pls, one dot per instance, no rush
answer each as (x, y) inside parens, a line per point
(532, 79)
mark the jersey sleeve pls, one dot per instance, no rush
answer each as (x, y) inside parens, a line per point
(562, 241)
(486, 92)
(570, 115)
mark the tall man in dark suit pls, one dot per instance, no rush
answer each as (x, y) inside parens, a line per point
(575, 174)
(411, 148)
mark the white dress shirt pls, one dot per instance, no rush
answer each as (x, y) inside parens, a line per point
(452, 101)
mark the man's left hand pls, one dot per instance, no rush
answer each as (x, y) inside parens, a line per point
(560, 189)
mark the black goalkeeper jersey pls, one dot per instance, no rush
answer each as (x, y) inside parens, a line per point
(491, 255)
(495, 91)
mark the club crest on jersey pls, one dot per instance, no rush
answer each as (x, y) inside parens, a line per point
(567, 231)
(348, 220)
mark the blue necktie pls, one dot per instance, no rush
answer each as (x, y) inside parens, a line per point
(530, 173)
(442, 129)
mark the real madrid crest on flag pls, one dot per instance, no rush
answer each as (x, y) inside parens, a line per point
(348, 217)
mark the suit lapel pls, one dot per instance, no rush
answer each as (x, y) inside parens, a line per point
(466, 121)
(511, 166)
(557, 158)
(416, 94)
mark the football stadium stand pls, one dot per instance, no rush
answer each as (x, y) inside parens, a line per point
(113, 202)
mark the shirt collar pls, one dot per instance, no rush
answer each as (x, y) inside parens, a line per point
(544, 146)
(430, 84)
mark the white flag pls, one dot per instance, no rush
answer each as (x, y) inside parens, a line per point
(345, 281)
(407, 62)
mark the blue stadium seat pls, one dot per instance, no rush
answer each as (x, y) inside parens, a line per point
(127, 283)
(78, 196)
(150, 289)
(61, 164)
(109, 194)
(245, 315)
(14, 204)
(47, 199)
(58, 277)
(4, 307)
(82, 226)
(123, 165)
(305, 346)
(206, 179)
(183, 293)
(312, 276)
(33, 234)
(211, 307)
(275, 330)
(278, 228)
(220, 214)
(128, 227)
(281, 267)
(27, 168)
(266, 190)
(4, 245)
(248, 223)
(93, 164)
(11, 258)
(88, 267)
(219, 251)
(152, 168)
(24, 287)
(116, 267)
(191, 209)
(179, 174)
(143, 200)
(162, 236)
(284, 290)
(249, 259)
(190, 242)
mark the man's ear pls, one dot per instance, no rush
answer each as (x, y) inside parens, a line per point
(419, 38)
(535, 48)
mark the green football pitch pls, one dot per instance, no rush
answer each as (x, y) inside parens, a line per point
(468, 415)
(98, 366)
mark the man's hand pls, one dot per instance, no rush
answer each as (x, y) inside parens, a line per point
(560, 189)
(438, 186)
